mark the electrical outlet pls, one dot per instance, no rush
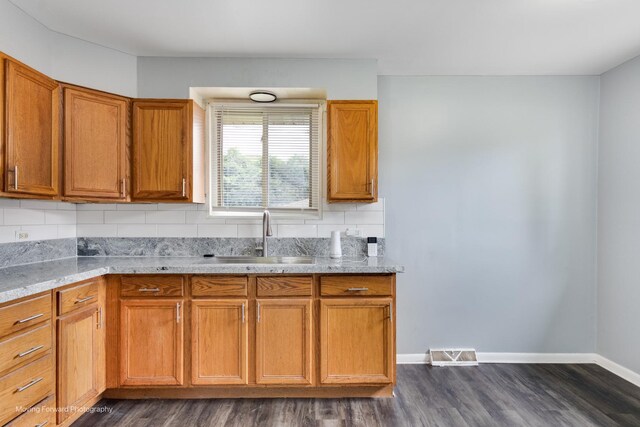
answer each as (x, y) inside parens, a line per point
(352, 232)
(22, 235)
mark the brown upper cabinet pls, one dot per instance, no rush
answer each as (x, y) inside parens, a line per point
(352, 151)
(168, 151)
(95, 145)
(30, 150)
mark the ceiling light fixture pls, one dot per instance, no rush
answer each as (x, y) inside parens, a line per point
(262, 96)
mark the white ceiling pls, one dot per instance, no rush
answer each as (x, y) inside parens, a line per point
(433, 37)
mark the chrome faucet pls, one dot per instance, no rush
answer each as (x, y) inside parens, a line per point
(266, 231)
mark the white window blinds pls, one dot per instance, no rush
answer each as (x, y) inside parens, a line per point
(265, 157)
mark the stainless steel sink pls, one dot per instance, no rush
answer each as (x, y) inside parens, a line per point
(261, 260)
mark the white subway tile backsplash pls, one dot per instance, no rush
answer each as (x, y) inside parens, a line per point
(64, 206)
(297, 230)
(59, 217)
(339, 207)
(371, 230)
(328, 218)
(15, 216)
(377, 206)
(96, 207)
(38, 204)
(40, 232)
(137, 207)
(67, 231)
(97, 230)
(217, 230)
(177, 207)
(177, 230)
(124, 217)
(8, 233)
(250, 230)
(90, 217)
(364, 217)
(165, 217)
(137, 230)
(325, 230)
(201, 217)
(244, 221)
(9, 203)
(49, 219)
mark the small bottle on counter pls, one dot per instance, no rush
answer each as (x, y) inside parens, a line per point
(372, 246)
(336, 247)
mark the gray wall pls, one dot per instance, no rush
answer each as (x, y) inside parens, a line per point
(490, 187)
(619, 216)
(172, 77)
(65, 58)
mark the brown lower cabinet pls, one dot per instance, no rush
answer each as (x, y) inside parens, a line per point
(356, 337)
(219, 342)
(151, 342)
(283, 341)
(182, 336)
(81, 340)
(78, 337)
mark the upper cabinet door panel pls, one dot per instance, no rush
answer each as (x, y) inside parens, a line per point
(95, 144)
(161, 150)
(32, 132)
(352, 151)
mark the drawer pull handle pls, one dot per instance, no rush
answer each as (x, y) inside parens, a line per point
(30, 384)
(31, 350)
(81, 300)
(42, 424)
(149, 290)
(358, 289)
(28, 319)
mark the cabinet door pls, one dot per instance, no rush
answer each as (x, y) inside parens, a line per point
(161, 150)
(151, 342)
(352, 153)
(78, 354)
(32, 132)
(219, 342)
(95, 145)
(356, 341)
(283, 341)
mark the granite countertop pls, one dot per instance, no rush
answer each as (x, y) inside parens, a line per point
(29, 279)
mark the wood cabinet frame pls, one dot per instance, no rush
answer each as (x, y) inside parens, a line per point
(363, 143)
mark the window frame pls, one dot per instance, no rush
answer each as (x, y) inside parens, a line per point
(221, 212)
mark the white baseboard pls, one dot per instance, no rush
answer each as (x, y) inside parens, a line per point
(418, 358)
(619, 370)
(537, 357)
(412, 359)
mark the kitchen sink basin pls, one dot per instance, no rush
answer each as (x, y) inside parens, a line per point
(262, 260)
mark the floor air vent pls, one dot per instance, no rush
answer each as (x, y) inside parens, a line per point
(453, 357)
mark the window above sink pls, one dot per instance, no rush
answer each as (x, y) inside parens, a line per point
(265, 156)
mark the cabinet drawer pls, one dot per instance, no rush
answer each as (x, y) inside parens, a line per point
(78, 297)
(356, 286)
(152, 286)
(25, 387)
(284, 286)
(16, 317)
(42, 414)
(219, 286)
(25, 347)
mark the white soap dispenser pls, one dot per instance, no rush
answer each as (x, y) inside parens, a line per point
(336, 248)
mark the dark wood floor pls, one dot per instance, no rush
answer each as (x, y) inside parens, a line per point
(488, 395)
